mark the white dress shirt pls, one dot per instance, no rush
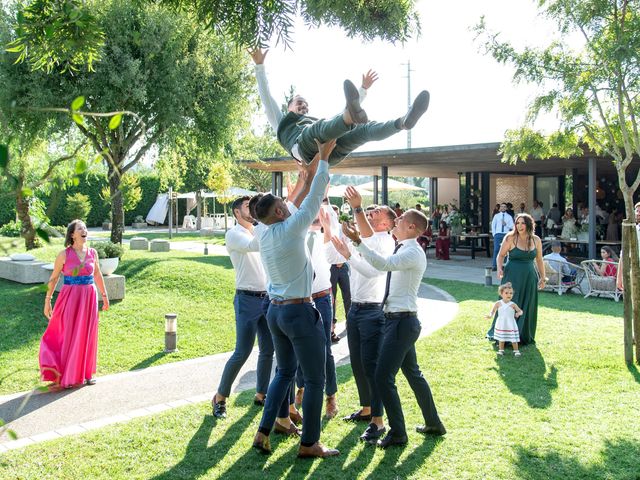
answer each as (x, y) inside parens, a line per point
(537, 214)
(502, 223)
(283, 248)
(407, 267)
(366, 281)
(321, 268)
(243, 247)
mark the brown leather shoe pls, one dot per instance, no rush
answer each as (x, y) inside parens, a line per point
(296, 417)
(262, 444)
(417, 109)
(352, 96)
(299, 395)
(317, 450)
(292, 431)
(331, 409)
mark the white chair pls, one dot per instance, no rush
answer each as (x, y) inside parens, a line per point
(554, 281)
(598, 284)
(189, 222)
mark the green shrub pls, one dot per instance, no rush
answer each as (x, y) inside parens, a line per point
(11, 229)
(78, 206)
(108, 249)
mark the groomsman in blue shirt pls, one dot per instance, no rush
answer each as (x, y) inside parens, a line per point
(295, 324)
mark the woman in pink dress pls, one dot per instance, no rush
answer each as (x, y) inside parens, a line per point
(69, 346)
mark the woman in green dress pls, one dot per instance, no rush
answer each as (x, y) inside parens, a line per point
(524, 248)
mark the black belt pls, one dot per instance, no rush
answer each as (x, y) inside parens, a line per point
(400, 314)
(366, 304)
(251, 293)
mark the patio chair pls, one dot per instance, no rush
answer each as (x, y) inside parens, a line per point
(558, 282)
(189, 222)
(599, 285)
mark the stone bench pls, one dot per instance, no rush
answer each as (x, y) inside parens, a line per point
(114, 283)
(139, 243)
(158, 245)
(23, 271)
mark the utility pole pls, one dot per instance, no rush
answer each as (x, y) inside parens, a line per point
(408, 64)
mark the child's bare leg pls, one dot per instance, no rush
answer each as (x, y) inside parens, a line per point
(515, 348)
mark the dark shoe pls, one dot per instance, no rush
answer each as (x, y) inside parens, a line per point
(357, 417)
(259, 401)
(90, 381)
(352, 96)
(317, 450)
(220, 409)
(298, 399)
(334, 338)
(292, 431)
(494, 269)
(261, 443)
(331, 408)
(417, 109)
(437, 430)
(372, 434)
(296, 417)
(391, 439)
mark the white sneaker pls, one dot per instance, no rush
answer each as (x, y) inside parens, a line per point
(500, 352)
(517, 353)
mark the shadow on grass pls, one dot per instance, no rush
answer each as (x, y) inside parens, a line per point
(199, 458)
(633, 370)
(215, 260)
(390, 462)
(21, 318)
(148, 361)
(527, 376)
(619, 459)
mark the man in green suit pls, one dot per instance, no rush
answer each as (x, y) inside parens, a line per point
(297, 130)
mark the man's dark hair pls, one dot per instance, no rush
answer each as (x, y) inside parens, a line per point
(253, 202)
(237, 204)
(264, 206)
(555, 205)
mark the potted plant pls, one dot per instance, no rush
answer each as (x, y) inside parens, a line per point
(583, 232)
(109, 255)
(139, 222)
(455, 222)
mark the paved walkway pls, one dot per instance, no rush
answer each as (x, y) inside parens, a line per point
(123, 396)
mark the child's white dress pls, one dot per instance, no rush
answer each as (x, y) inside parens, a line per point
(506, 329)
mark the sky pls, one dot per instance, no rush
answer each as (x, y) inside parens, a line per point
(473, 98)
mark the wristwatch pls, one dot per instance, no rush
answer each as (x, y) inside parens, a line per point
(358, 210)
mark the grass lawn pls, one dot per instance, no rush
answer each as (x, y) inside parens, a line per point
(567, 409)
(216, 238)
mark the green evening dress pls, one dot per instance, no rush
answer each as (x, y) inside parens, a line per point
(521, 272)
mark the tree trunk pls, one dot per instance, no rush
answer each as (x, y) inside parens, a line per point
(28, 231)
(627, 254)
(117, 206)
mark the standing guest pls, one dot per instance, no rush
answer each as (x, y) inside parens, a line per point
(496, 209)
(613, 226)
(69, 346)
(366, 320)
(339, 279)
(295, 324)
(538, 217)
(445, 214)
(405, 269)
(522, 209)
(554, 214)
(435, 217)
(501, 224)
(510, 210)
(443, 242)
(524, 248)
(609, 266)
(398, 211)
(619, 279)
(249, 306)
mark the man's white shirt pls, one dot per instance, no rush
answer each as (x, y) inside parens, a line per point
(502, 223)
(243, 247)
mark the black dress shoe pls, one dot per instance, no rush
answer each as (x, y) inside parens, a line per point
(357, 417)
(259, 401)
(352, 96)
(220, 409)
(334, 338)
(391, 439)
(428, 430)
(417, 109)
(90, 381)
(372, 434)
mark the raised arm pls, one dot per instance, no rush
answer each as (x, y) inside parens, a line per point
(271, 107)
(355, 200)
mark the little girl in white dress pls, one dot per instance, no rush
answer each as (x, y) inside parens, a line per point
(506, 329)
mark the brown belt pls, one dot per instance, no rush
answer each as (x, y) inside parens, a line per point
(321, 294)
(292, 301)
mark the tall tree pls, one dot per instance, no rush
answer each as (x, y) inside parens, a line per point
(593, 84)
(161, 66)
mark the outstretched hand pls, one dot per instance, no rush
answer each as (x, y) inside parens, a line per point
(351, 232)
(341, 247)
(353, 197)
(369, 78)
(258, 55)
(325, 149)
(325, 220)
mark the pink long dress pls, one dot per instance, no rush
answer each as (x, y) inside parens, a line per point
(69, 346)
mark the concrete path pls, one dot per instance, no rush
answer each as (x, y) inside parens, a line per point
(123, 396)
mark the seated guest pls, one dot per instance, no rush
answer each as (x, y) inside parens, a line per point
(609, 266)
(443, 242)
(558, 262)
(569, 229)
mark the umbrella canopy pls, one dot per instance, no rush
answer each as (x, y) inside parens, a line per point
(392, 186)
(232, 192)
(338, 190)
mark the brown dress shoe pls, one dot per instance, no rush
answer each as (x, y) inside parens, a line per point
(261, 443)
(352, 96)
(296, 417)
(331, 409)
(292, 431)
(317, 450)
